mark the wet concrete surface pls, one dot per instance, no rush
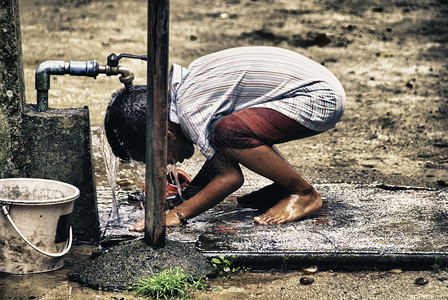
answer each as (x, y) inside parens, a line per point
(368, 225)
(359, 227)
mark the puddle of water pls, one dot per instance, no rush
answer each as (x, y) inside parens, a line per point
(116, 180)
(55, 285)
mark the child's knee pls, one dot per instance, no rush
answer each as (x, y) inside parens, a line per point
(237, 180)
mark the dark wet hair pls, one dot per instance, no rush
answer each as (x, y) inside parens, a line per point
(125, 124)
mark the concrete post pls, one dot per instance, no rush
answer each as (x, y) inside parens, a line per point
(12, 88)
(52, 145)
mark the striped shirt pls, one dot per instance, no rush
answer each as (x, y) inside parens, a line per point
(227, 81)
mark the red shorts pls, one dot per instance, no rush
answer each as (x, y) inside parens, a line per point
(254, 127)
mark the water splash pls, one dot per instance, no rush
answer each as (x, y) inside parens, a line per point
(112, 164)
(138, 171)
(173, 179)
(172, 169)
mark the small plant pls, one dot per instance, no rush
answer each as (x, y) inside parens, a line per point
(437, 266)
(284, 262)
(223, 266)
(168, 284)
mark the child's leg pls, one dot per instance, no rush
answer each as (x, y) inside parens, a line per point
(265, 197)
(303, 198)
(247, 136)
(208, 171)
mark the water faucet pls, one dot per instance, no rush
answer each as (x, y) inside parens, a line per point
(80, 68)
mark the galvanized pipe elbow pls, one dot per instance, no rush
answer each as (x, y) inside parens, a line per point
(42, 80)
(76, 68)
(45, 69)
(53, 67)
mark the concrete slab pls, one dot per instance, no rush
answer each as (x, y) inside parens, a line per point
(358, 225)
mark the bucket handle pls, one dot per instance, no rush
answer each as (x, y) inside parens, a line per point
(69, 243)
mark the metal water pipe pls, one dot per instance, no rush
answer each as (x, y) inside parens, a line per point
(80, 68)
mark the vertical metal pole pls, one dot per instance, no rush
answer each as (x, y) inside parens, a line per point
(156, 125)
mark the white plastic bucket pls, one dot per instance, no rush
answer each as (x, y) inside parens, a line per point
(35, 224)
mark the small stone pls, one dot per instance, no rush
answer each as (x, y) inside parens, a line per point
(310, 270)
(9, 93)
(421, 281)
(350, 27)
(442, 183)
(306, 280)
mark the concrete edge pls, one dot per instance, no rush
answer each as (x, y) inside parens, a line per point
(334, 260)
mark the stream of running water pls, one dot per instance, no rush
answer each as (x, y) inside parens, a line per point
(112, 164)
(117, 210)
(172, 170)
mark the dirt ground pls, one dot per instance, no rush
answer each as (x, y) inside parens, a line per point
(391, 57)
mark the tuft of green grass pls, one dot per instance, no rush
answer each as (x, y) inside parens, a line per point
(435, 268)
(170, 283)
(224, 266)
(439, 264)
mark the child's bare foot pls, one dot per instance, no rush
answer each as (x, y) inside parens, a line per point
(263, 198)
(291, 208)
(139, 226)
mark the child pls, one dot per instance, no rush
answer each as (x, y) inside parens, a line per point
(234, 105)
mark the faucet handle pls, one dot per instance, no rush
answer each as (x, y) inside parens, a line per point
(113, 59)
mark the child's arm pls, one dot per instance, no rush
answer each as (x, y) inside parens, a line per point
(228, 180)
